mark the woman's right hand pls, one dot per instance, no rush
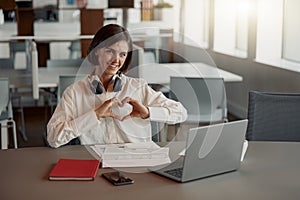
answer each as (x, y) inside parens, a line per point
(105, 109)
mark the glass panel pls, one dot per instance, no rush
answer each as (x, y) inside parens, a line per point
(291, 32)
(269, 31)
(231, 27)
(196, 17)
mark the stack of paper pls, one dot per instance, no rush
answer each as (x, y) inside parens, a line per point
(143, 154)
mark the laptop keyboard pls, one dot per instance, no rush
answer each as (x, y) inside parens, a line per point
(175, 172)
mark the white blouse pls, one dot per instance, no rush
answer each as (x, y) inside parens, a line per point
(75, 114)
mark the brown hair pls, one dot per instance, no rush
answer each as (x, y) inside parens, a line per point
(107, 36)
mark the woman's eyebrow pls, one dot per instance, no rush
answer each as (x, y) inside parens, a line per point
(108, 48)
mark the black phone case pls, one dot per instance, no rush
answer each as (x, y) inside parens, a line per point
(117, 178)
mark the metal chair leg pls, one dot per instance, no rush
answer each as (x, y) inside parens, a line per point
(22, 121)
(14, 133)
(22, 126)
(4, 133)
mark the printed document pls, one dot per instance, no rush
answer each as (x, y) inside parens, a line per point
(144, 154)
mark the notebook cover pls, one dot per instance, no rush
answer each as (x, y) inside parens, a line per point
(73, 169)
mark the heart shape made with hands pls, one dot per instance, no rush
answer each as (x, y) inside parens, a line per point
(121, 111)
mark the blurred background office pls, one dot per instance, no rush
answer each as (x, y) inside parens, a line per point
(256, 39)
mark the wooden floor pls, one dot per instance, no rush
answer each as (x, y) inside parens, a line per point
(36, 119)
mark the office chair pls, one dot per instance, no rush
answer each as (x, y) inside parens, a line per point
(204, 98)
(65, 81)
(15, 47)
(158, 131)
(273, 116)
(136, 61)
(75, 50)
(8, 63)
(6, 113)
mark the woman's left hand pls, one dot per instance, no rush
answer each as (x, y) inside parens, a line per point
(138, 109)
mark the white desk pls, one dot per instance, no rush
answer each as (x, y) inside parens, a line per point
(42, 39)
(160, 73)
(152, 73)
(47, 38)
(49, 77)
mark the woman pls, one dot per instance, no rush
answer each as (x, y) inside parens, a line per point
(107, 106)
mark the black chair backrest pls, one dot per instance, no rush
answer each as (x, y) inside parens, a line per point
(273, 117)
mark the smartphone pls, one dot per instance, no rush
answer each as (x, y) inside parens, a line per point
(117, 178)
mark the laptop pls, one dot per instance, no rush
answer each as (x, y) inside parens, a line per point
(209, 150)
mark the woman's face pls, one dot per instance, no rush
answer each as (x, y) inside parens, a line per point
(112, 58)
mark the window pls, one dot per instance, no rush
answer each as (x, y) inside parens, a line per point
(231, 27)
(269, 31)
(195, 23)
(278, 43)
(291, 30)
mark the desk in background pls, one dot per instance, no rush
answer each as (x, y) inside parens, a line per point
(47, 78)
(154, 73)
(160, 73)
(270, 170)
(43, 42)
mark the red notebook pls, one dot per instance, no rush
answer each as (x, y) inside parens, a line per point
(73, 169)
